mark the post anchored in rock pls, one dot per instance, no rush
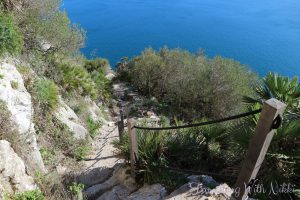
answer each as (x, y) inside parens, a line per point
(270, 119)
(121, 125)
(133, 146)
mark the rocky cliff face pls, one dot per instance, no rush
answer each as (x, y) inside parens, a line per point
(68, 117)
(15, 166)
(18, 101)
(13, 176)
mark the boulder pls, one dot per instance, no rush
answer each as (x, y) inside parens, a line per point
(149, 192)
(18, 101)
(13, 177)
(110, 76)
(94, 111)
(200, 188)
(68, 117)
(119, 182)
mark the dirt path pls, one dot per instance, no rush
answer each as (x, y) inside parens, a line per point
(98, 166)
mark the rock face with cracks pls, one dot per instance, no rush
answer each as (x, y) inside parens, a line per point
(68, 117)
(13, 176)
(18, 101)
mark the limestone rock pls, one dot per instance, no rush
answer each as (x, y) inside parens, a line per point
(18, 101)
(94, 111)
(149, 192)
(120, 177)
(110, 76)
(13, 177)
(118, 192)
(68, 117)
(199, 188)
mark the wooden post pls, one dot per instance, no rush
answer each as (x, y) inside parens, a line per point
(121, 125)
(258, 146)
(121, 129)
(122, 117)
(133, 145)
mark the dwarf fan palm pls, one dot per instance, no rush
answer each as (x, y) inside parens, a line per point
(282, 88)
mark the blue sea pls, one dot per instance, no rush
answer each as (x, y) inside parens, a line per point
(263, 34)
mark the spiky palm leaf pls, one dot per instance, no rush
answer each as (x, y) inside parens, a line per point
(282, 88)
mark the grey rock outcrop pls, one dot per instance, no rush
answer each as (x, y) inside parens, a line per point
(119, 183)
(13, 177)
(68, 117)
(18, 101)
(149, 192)
(200, 188)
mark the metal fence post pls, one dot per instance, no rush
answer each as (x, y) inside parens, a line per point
(272, 110)
(133, 145)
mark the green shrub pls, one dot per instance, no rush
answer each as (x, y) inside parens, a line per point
(98, 64)
(28, 195)
(76, 78)
(1, 76)
(14, 85)
(47, 93)
(76, 188)
(93, 126)
(11, 39)
(47, 155)
(192, 85)
(81, 152)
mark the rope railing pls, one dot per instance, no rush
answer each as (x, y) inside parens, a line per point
(201, 123)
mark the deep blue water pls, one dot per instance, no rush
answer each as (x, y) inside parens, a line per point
(263, 34)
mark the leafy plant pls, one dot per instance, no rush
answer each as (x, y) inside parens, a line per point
(47, 155)
(28, 195)
(11, 39)
(98, 64)
(192, 85)
(1, 76)
(76, 188)
(14, 84)
(81, 152)
(47, 93)
(76, 78)
(282, 88)
(93, 126)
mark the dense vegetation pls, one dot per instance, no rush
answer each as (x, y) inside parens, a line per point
(221, 148)
(192, 85)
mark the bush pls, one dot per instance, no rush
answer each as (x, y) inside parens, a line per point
(81, 152)
(28, 195)
(193, 85)
(76, 78)
(93, 126)
(47, 155)
(47, 93)
(98, 64)
(97, 69)
(11, 39)
(14, 84)
(76, 189)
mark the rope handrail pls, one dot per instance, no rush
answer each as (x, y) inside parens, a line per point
(201, 123)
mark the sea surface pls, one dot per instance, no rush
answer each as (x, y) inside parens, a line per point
(263, 34)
